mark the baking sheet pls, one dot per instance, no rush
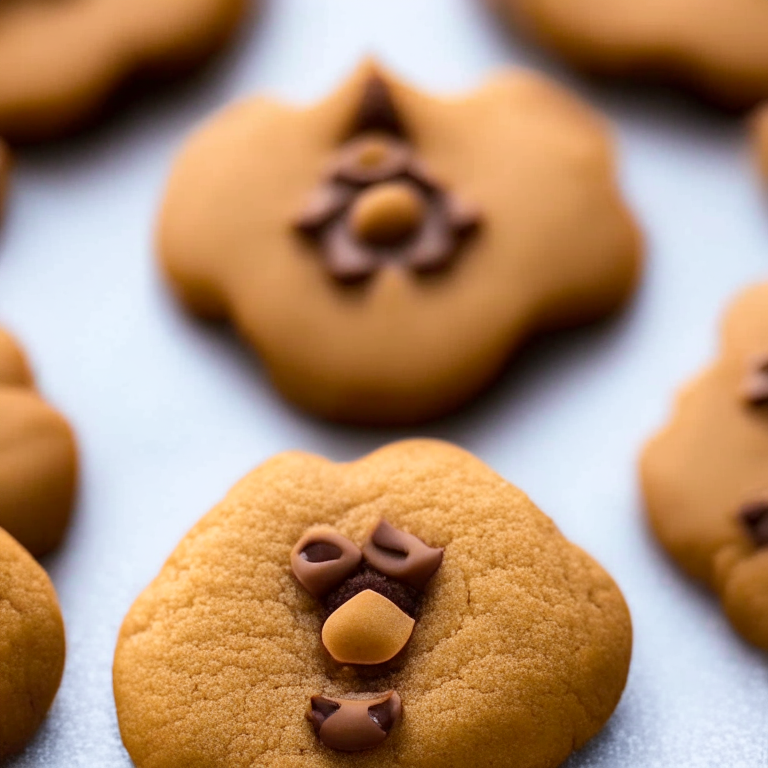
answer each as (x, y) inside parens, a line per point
(170, 413)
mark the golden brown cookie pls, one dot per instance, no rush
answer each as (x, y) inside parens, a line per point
(395, 251)
(717, 47)
(38, 458)
(31, 645)
(61, 59)
(520, 643)
(761, 139)
(705, 476)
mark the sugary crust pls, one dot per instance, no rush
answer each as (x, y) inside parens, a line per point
(59, 61)
(709, 461)
(717, 47)
(31, 645)
(523, 648)
(557, 246)
(38, 458)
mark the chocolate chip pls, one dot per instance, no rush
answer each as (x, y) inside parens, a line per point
(377, 111)
(755, 386)
(402, 556)
(404, 597)
(322, 559)
(754, 517)
(354, 725)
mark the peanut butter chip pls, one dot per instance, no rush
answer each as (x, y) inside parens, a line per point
(755, 388)
(402, 556)
(323, 559)
(387, 214)
(368, 629)
(352, 725)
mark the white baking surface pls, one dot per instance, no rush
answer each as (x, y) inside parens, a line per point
(170, 413)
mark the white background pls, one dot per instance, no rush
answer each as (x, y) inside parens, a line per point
(170, 413)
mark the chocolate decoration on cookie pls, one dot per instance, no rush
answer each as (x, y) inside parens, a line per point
(402, 556)
(754, 517)
(755, 387)
(354, 725)
(322, 559)
(378, 204)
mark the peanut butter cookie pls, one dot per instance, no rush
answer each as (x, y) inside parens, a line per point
(705, 476)
(408, 609)
(390, 257)
(717, 47)
(61, 59)
(38, 458)
(31, 645)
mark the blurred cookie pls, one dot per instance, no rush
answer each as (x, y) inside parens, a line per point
(705, 476)
(38, 458)
(761, 138)
(412, 608)
(719, 48)
(389, 259)
(31, 645)
(60, 61)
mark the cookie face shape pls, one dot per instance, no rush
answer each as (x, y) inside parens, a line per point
(60, 61)
(521, 643)
(719, 48)
(387, 261)
(38, 458)
(705, 476)
(31, 645)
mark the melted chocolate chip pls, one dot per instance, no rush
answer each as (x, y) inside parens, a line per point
(404, 597)
(402, 556)
(322, 559)
(354, 725)
(755, 386)
(377, 112)
(754, 517)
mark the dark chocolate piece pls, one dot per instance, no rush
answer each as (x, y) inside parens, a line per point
(402, 556)
(377, 112)
(754, 517)
(323, 559)
(354, 725)
(755, 386)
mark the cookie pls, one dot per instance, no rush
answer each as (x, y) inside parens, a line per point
(718, 48)
(408, 609)
(38, 458)
(60, 61)
(388, 260)
(705, 476)
(761, 139)
(31, 645)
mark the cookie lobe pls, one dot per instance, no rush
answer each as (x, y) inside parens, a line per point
(32, 646)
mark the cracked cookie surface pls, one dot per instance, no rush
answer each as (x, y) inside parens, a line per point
(705, 475)
(719, 48)
(38, 458)
(505, 201)
(60, 61)
(31, 645)
(523, 647)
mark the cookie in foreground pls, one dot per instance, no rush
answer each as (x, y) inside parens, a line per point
(61, 61)
(705, 475)
(32, 646)
(410, 608)
(38, 458)
(718, 48)
(385, 252)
